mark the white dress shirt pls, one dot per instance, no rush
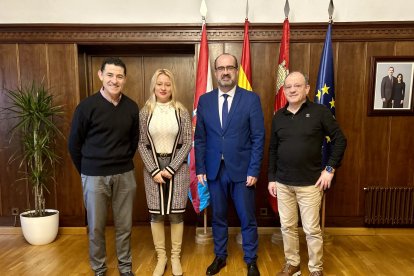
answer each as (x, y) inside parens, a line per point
(229, 100)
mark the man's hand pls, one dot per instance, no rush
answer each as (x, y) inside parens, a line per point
(202, 178)
(251, 180)
(324, 181)
(272, 188)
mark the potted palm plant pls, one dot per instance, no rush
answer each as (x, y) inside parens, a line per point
(33, 110)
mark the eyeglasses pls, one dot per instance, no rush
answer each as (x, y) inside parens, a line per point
(227, 68)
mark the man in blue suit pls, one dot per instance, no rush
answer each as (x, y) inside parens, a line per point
(229, 140)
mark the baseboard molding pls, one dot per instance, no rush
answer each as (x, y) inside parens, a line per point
(338, 231)
(333, 231)
(62, 231)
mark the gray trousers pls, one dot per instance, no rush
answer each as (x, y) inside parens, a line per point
(98, 193)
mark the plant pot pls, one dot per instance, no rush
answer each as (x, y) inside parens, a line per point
(40, 230)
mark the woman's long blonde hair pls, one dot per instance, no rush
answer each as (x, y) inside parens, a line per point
(150, 104)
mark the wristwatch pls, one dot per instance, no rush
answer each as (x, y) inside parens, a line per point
(329, 169)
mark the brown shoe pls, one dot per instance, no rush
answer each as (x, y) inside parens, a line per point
(316, 273)
(289, 270)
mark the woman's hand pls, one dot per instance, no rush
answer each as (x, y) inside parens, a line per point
(166, 174)
(158, 178)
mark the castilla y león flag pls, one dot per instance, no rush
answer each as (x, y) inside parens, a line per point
(198, 193)
(281, 74)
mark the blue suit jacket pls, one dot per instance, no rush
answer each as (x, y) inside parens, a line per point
(241, 141)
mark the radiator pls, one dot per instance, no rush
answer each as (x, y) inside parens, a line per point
(389, 205)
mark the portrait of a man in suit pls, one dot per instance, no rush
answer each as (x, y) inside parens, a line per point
(387, 85)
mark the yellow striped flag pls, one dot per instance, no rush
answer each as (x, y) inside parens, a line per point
(245, 71)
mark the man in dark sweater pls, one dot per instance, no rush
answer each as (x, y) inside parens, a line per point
(102, 143)
(295, 171)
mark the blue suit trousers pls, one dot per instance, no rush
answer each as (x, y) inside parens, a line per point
(243, 198)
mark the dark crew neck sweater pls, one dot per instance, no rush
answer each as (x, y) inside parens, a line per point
(103, 137)
(295, 151)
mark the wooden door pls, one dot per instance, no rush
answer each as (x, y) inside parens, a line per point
(140, 69)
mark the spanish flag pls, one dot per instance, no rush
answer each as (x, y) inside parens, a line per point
(245, 71)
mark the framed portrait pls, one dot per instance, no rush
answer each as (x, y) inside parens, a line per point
(391, 86)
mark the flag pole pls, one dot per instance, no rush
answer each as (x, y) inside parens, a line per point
(327, 239)
(204, 235)
(280, 100)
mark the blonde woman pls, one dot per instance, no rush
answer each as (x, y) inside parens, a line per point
(165, 140)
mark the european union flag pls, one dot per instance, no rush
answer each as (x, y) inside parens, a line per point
(325, 88)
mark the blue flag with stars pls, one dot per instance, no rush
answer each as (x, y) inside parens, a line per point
(325, 89)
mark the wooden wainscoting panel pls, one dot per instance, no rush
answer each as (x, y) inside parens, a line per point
(376, 134)
(63, 78)
(12, 193)
(33, 64)
(401, 159)
(349, 100)
(299, 58)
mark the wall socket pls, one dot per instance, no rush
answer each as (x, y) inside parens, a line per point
(15, 211)
(263, 211)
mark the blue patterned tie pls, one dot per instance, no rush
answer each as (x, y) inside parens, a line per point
(224, 111)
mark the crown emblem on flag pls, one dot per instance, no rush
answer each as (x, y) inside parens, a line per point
(282, 73)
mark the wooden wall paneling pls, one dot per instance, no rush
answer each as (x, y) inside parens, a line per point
(12, 193)
(343, 202)
(315, 53)
(184, 72)
(372, 141)
(264, 59)
(94, 65)
(401, 161)
(83, 75)
(64, 84)
(215, 49)
(376, 129)
(401, 154)
(404, 48)
(134, 89)
(299, 57)
(234, 48)
(33, 63)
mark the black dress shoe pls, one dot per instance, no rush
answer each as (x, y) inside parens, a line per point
(252, 269)
(129, 273)
(216, 266)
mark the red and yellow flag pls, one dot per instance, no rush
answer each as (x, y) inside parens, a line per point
(245, 71)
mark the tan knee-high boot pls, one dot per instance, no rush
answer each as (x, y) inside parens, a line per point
(158, 236)
(176, 241)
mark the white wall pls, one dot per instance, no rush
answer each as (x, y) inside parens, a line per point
(187, 11)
